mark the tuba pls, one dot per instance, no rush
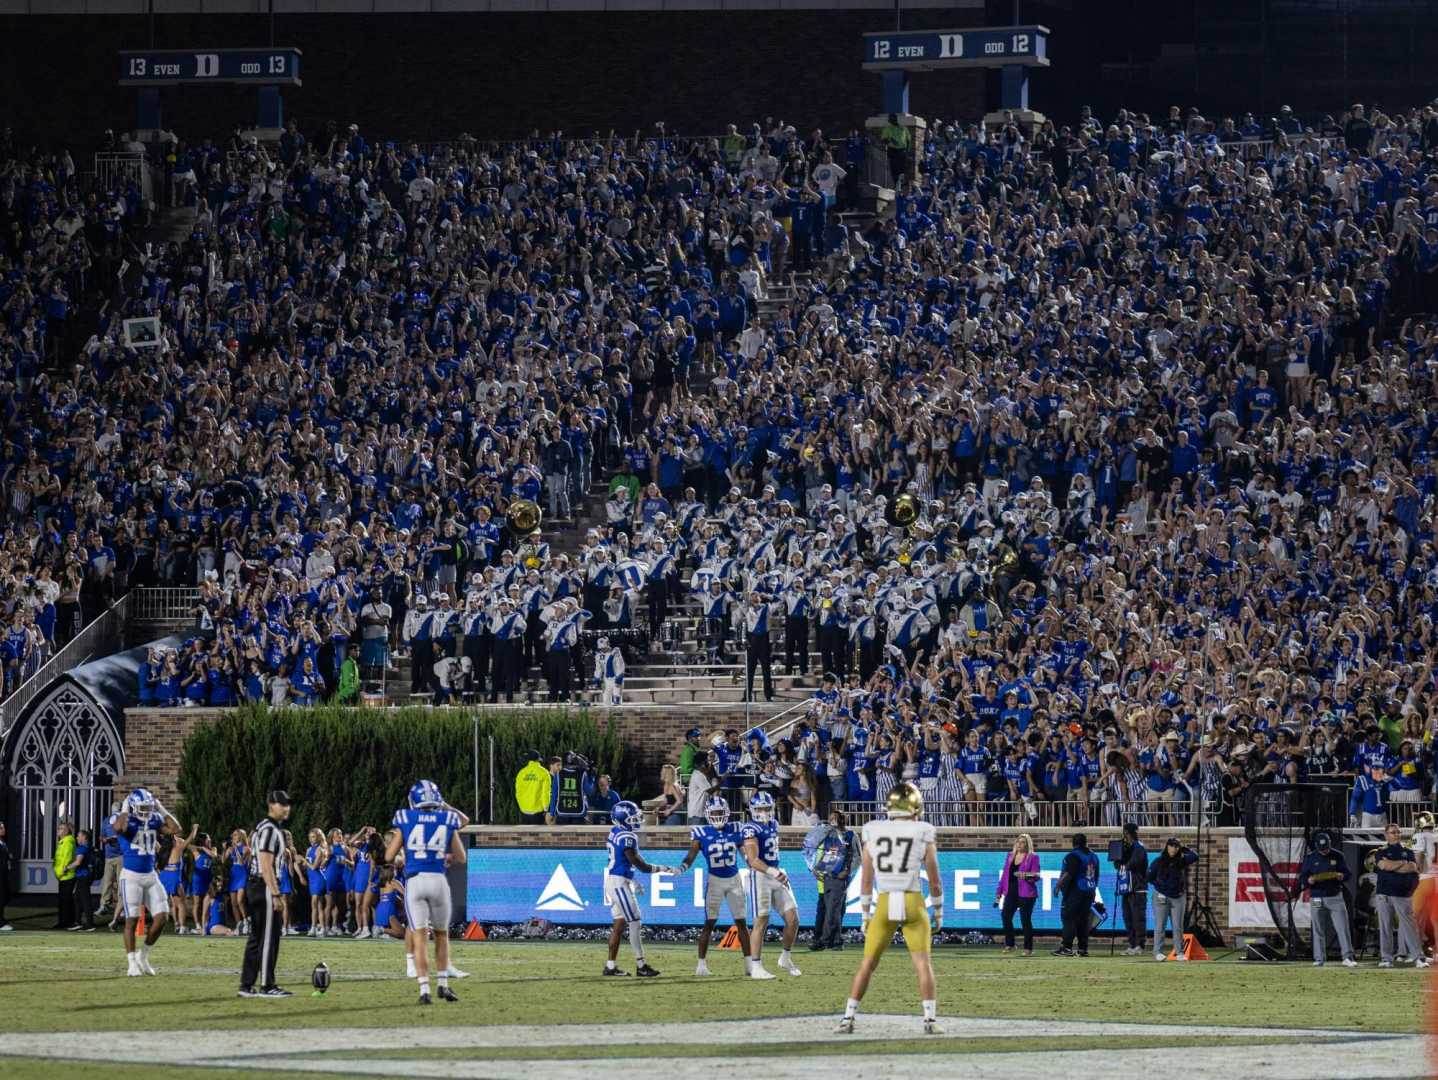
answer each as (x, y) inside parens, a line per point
(903, 512)
(523, 516)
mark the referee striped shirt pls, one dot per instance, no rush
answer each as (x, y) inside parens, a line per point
(265, 837)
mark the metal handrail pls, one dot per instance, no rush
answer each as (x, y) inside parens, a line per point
(164, 604)
(772, 729)
(74, 652)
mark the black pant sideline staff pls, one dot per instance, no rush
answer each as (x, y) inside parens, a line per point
(263, 899)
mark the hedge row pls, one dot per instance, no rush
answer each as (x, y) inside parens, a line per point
(349, 767)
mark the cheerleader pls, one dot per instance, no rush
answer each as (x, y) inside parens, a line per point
(314, 860)
(287, 888)
(336, 877)
(202, 873)
(360, 869)
(173, 874)
(389, 912)
(215, 910)
(237, 857)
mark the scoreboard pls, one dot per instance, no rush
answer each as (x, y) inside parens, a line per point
(175, 67)
(920, 50)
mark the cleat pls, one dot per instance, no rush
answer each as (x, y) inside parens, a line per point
(845, 1026)
(613, 972)
(702, 969)
(146, 967)
(1421, 963)
(1385, 963)
(758, 972)
(424, 999)
(644, 971)
(789, 966)
(446, 994)
(931, 1027)
(1062, 951)
(274, 992)
(1350, 963)
(453, 972)
(248, 992)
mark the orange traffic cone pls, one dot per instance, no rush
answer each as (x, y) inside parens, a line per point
(475, 932)
(1192, 950)
(730, 940)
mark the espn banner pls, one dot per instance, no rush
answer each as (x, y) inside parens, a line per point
(1247, 903)
(566, 885)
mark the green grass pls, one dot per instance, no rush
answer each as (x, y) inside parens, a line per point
(67, 982)
(523, 983)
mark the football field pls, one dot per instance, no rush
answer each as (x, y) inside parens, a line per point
(542, 1011)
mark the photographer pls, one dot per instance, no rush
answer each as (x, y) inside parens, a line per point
(1131, 858)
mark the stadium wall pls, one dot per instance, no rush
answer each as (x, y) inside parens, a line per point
(495, 75)
(1213, 884)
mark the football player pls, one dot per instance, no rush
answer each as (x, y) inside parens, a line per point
(895, 851)
(720, 842)
(429, 833)
(620, 890)
(138, 826)
(768, 885)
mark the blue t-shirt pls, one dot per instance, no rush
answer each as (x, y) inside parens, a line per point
(621, 840)
(138, 842)
(426, 838)
(720, 847)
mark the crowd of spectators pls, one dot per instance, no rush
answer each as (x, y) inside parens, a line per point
(1162, 406)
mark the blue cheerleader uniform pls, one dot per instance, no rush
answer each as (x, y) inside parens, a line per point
(318, 884)
(202, 874)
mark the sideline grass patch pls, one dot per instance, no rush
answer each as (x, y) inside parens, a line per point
(57, 980)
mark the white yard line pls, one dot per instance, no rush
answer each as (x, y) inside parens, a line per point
(1391, 1059)
(240, 1046)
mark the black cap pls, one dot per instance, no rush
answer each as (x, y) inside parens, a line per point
(1175, 841)
(278, 796)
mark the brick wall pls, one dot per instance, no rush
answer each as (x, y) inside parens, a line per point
(497, 75)
(1211, 885)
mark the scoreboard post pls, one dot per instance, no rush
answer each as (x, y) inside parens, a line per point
(266, 69)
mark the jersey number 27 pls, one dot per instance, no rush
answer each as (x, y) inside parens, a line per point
(885, 849)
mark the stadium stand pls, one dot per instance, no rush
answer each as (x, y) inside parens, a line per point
(1112, 439)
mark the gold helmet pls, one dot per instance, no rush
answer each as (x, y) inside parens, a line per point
(905, 802)
(1424, 820)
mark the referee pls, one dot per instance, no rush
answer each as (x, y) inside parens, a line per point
(263, 900)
